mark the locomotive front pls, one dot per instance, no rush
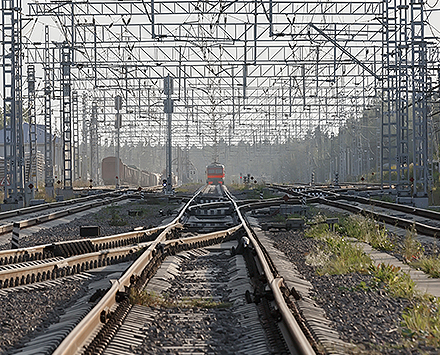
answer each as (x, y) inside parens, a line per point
(215, 174)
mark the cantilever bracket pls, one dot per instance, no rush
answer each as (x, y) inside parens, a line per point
(322, 33)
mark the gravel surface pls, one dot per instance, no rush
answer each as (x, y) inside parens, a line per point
(368, 318)
(214, 330)
(25, 313)
(112, 220)
(217, 327)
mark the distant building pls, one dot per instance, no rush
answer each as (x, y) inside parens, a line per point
(56, 151)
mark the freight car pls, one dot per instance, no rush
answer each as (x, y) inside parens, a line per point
(215, 174)
(128, 174)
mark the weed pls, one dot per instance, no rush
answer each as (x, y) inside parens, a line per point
(350, 258)
(368, 231)
(339, 256)
(429, 265)
(279, 218)
(318, 257)
(318, 230)
(397, 282)
(203, 303)
(116, 219)
(411, 249)
(151, 299)
(422, 321)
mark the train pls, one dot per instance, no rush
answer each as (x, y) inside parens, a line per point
(215, 174)
(128, 174)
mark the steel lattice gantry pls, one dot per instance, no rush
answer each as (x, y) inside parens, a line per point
(66, 113)
(405, 90)
(259, 60)
(12, 103)
(266, 71)
(420, 89)
(48, 153)
(31, 169)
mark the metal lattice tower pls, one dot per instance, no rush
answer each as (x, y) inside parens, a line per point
(420, 87)
(405, 71)
(395, 122)
(12, 102)
(255, 72)
(66, 113)
(48, 156)
(85, 134)
(94, 157)
(31, 172)
(75, 131)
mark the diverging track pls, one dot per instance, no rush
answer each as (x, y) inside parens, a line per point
(201, 265)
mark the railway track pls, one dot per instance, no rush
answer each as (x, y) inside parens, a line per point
(14, 221)
(426, 222)
(189, 259)
(202, 242)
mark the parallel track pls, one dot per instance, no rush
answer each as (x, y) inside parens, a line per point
(103, 320)
(410, 217)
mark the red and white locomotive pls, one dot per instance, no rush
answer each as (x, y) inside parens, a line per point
(215, 174)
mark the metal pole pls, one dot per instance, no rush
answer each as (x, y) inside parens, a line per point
(169, 161)
(118, 106)
(168, 109)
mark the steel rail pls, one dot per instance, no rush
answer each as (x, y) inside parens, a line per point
(67, 266)
(110, 254)
(396, 221)
(86, 261)
(82, 332)
(7, 228)
(203, 237)
(333, 200)
(12, 256)
(301, 342)
(44, 206)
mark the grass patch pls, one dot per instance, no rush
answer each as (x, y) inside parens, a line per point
(411, 249)
(421, 322)
(397, 283)
(238, 187)
(318, 229)
(207, 303)
(115, 217)
(152, 299)
(188, 188)
(346, 257)
(368, 231)
(337, 256)
(429, 265)
(279, 218)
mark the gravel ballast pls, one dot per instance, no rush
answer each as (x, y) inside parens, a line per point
(111, 220)
(24, 313)
(367, 317)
